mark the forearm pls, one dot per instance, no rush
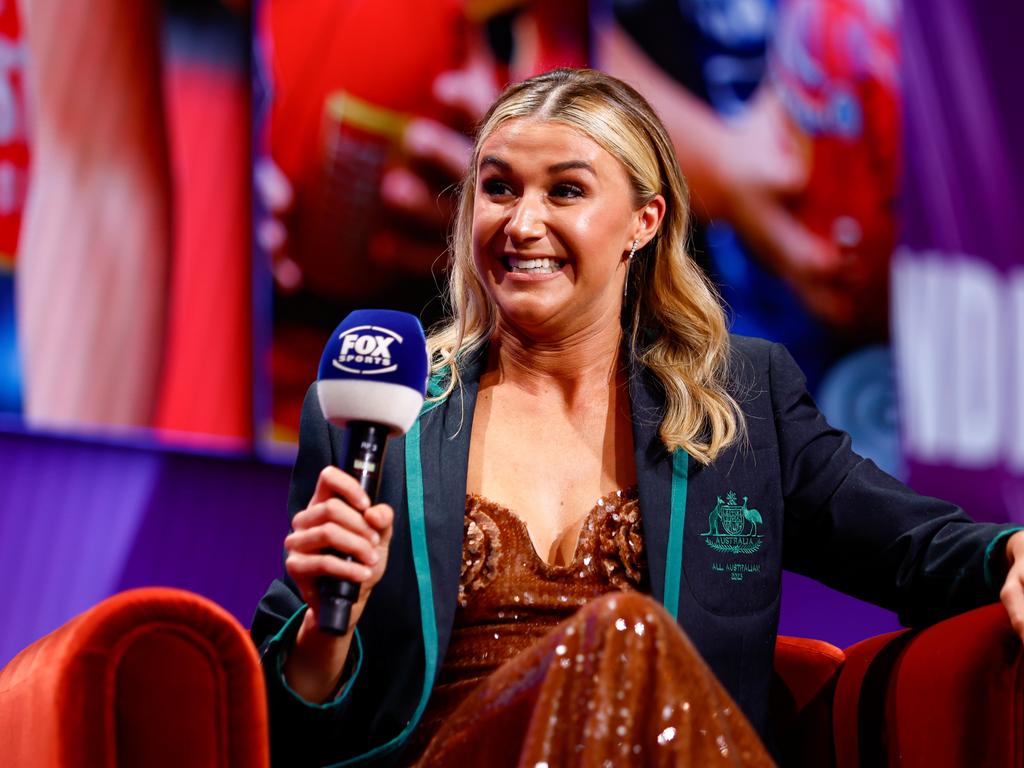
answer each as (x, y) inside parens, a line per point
(316, 662)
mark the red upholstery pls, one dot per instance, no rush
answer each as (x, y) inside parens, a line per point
(949, 695)
(802, 700)
(150, 677)
(160, 677)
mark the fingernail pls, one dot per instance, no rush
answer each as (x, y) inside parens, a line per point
(366, 573)
(375, 538)
(374, 557)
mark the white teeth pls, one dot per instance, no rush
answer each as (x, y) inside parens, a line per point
(542, 266)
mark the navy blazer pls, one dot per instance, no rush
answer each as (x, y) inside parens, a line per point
(793, 495)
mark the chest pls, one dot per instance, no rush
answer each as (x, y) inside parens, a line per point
(549, 463)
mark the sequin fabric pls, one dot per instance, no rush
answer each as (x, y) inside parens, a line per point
(564, 665)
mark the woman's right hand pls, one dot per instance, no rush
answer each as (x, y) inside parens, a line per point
(339, 517)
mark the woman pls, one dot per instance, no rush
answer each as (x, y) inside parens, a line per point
(587, 358)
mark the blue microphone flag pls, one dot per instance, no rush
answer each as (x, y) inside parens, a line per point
(374, 368)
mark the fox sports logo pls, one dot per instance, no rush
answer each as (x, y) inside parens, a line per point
(367, 350)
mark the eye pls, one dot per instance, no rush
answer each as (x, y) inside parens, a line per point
(495, 187)
(567, 190)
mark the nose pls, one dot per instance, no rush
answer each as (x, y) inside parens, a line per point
(526, 221)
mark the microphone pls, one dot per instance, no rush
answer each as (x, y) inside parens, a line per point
(372, 381)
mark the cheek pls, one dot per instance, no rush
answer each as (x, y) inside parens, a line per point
(598, 237)
(481, 235)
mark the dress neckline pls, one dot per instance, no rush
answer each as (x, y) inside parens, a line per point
(625, 494)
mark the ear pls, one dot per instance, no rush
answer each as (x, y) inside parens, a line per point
(648, 220)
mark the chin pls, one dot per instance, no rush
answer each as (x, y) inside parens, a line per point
(526, 316)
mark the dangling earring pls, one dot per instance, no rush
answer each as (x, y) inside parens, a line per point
(629, 260)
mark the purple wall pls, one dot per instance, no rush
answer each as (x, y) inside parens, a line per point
(958, 277)
(81, 520)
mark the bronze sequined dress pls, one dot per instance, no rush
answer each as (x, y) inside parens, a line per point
(566, 665)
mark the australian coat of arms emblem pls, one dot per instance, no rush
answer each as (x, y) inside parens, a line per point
(733, 528)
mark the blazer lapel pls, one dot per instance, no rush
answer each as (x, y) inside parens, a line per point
(444, 450)
(653, 472)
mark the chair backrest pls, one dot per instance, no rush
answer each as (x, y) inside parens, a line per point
(801, 701)
(946, 696)
(155, 677)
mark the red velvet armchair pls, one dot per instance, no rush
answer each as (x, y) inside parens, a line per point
(160, 677)
(151, 677)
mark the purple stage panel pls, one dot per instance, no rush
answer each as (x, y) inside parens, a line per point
(81, 520)
(958, 276)
(810, 609)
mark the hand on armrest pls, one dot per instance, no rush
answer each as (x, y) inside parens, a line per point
(1012, 592)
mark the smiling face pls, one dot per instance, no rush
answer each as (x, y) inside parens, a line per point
(554, 217)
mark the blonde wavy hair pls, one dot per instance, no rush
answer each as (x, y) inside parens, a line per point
(672, 313)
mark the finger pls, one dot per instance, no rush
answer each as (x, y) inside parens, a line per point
(305, 567)
(333, 482)
(381, 517)
(439, 145)
(337, 512)
(315, 540)
(1012, 598)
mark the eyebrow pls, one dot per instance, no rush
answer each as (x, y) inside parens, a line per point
(497, 162)
(568, 165)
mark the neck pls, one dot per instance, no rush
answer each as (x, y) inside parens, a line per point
(573, 364)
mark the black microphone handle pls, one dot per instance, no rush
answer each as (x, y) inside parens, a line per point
(363, 460)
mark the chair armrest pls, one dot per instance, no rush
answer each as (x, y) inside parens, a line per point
(155, 677)
(948, 695)
(801, 702)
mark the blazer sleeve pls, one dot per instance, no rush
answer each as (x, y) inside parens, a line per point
(300, 730)
(857, 529)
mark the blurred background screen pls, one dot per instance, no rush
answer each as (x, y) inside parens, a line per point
(125, 219)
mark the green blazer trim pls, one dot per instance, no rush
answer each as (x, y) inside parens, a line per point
(290, 628)
(676, 526)
(421, 562)
(991, 551)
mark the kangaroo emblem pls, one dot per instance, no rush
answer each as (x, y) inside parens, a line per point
(713, 519)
